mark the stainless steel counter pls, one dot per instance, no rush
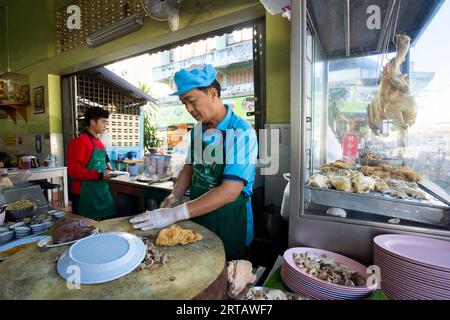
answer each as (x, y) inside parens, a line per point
(133, 197)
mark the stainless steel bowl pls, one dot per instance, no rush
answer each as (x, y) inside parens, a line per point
(390, 162)
(16, 214)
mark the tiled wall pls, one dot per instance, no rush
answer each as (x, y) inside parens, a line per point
(25, 144)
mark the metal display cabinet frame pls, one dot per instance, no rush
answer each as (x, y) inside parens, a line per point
(309, 225)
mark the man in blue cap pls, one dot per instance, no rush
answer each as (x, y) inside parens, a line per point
(220, 168)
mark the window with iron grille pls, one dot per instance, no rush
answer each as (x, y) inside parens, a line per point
(94, 92)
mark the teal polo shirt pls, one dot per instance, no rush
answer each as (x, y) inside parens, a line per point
(240, 154)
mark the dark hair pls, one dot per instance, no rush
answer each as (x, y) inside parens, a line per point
(95, 113)
(215, 85)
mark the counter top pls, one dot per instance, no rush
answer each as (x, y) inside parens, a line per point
(193, 271)
(165, 186)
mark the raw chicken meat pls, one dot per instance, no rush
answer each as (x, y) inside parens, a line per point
(239, 276)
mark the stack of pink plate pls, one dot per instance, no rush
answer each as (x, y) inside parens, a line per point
(307, 285)
(412, 267)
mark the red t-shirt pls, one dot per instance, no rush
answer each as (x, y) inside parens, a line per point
(79, 153)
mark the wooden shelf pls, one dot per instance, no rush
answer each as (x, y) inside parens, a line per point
(12, 107)
(13, 103)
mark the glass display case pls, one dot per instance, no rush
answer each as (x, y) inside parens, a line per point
(371, 123)
(14, 88)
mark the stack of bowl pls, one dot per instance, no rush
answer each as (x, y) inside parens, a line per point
(48, 224)
(6, 235)
(22, 232)
(38, 228)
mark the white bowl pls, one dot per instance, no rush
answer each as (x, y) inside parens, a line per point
(3, 229)
(22, 229)
(59, 214)
(102, 257)
(18, 224)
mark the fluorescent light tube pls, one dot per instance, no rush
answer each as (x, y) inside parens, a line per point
(116, 30)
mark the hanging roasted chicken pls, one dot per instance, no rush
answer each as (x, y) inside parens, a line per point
(393, 100)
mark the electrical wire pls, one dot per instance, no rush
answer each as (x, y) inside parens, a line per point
(5, 3)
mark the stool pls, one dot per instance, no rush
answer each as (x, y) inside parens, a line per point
(51, 186)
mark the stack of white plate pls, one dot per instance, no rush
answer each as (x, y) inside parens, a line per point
(413, 267)
(6, 236)
(22, 232)
(38, 228)
(307, 285)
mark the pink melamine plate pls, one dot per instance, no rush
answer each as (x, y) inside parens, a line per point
(295, 276)
(356, 266)
(444, 275)
(425, 275)
(415, 284)
(419, 250)
(405, 292)
(304, 290)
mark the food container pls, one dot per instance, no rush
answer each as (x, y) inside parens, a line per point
(14, 87)
(21, 212)
(386, 161)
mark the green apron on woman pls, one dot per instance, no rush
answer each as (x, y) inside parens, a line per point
(96, 201)
(228, 222)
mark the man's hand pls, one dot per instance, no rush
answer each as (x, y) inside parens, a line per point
(170, 202)
(160, 218)
(107, 175)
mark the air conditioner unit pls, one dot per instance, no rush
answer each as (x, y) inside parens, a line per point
(116, 30)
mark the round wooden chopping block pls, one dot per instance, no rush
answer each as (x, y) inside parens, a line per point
(194, 271)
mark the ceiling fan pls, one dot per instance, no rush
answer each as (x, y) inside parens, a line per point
(164, 10)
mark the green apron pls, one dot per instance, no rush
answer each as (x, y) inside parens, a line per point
(228, 222)
(96, 201)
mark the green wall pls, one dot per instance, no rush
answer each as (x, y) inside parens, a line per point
(33, 51)
(278, 36)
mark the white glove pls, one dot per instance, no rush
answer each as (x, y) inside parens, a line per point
(170, 201)
(160, 218)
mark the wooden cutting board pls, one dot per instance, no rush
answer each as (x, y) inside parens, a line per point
(194, 271)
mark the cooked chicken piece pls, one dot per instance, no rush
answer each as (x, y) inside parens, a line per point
(394, 100)
(319, 181)
(381, 185)
(333, 166)
(342, 183)
(175, 235)
(406, 173)
(389, 172)
(342, 164)
(368, 171)
(401, 183)
(405, 192)
(363, 184)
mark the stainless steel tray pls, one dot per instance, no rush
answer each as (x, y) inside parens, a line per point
(430, 212)
(389, 162)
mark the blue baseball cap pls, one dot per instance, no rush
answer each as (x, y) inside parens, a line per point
(193, 78)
